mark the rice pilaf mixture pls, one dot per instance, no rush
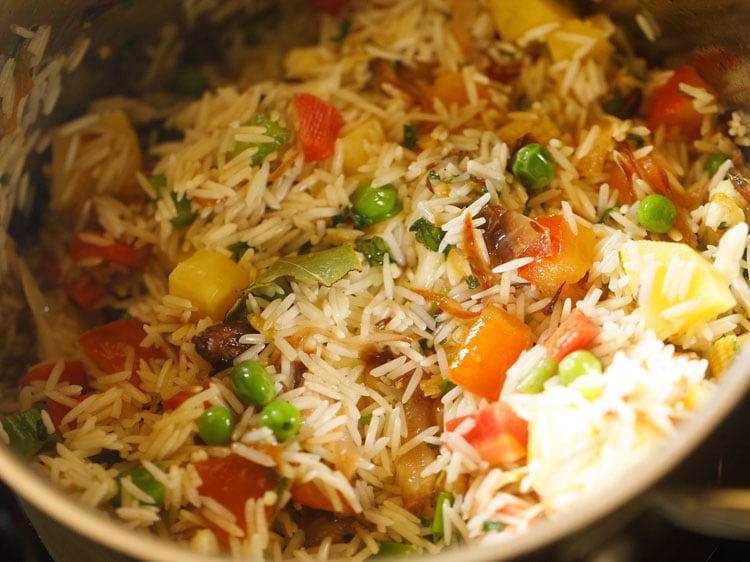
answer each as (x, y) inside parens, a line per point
(465, 265)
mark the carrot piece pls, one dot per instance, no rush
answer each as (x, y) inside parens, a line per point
(319, 124)
(566, 259)
(110, 345)
(92, 244)
(499, 435)
(309, 495)
(577, 331)
(494, 342)
(449, 87)
(673, 108)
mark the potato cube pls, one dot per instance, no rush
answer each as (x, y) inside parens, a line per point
(676, 287)
(211, 281)
(515, 19)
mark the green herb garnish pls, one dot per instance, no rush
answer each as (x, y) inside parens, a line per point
(374, 249)
(427, 234)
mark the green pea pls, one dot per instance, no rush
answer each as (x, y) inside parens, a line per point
(533, 382)
(282, 418)
(215, 425)
(656, 213)
(577, 363)
(534, 166)
(375, 204)
(713, 161)
(252, 384)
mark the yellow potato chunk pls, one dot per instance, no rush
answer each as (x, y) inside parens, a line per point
(101, 157)
(579, 39)
(676, 287)
(211, 281)
(515, 19)
(356, 143)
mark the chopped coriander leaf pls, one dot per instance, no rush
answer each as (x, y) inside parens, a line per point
(472, 281)
(713, 161)
(424, 345)
(191, 82)
(723, 225)
(279, 134)
(434, 175)
(184, 214)
(410, 136)
(490, 526)
(637, 140)
(613, 104)
(365, 420)
(374, 249)
(446, 386)
(427, 234)
(238, 249)
(606, 214)
(344, 29)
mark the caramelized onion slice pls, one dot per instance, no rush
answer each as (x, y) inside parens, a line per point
(509, 235)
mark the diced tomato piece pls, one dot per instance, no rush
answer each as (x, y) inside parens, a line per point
(58, 411)
(176, 400)
(309, 495)
(565, 260)
(577, 331)
(110, 345)
(92, 244)
(73, 372)
(84, 291)
(499, 435)
(232, 480)
(332, 7)
(319, 124)
(674, 109)
(493, 344)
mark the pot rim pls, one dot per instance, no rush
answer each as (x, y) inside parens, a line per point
(89, 522)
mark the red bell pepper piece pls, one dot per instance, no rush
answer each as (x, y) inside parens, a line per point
(674, 109)
(577, 331)
(498, 434)
(92, 244)
(318, 124)
(73, 372)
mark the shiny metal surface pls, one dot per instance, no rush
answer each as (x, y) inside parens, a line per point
(685, 25)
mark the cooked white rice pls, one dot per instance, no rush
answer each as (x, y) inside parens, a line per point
(365, 358)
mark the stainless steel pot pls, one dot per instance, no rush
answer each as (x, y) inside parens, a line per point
(74, 533)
